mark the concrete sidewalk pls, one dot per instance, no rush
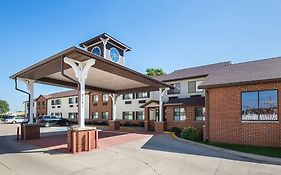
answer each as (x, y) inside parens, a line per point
(151, 155)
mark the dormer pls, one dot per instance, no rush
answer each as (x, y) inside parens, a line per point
(107, 47)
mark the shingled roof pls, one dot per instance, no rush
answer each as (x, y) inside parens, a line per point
(266, 70)
(200, 71)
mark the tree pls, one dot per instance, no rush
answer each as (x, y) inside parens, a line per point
(153, 72)
(4, 107)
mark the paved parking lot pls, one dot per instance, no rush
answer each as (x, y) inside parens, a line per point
(130, 154)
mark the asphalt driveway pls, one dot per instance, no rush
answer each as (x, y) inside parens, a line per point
(151, 154)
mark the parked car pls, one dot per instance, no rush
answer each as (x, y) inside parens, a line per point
(49, 120)
(15, 119)
(4, 117)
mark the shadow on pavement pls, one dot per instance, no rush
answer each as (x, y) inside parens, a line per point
(55, 142)
(166, 143)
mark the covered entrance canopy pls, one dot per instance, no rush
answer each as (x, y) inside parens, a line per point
(75, 67)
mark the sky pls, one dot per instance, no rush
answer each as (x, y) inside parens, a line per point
(165, 34)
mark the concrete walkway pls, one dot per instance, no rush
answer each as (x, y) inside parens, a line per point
(158, 154)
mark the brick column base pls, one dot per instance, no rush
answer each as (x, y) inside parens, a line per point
(159, 126)
(146, 125)
(114, 125)
(81, 139)
(30, 131)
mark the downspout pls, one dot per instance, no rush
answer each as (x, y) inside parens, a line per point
(16, 87)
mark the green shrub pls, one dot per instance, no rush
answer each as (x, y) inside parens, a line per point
(177, 131)
(191, 133)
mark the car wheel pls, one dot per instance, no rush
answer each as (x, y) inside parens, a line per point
(67, 123)
(47, 124)
(14, 122)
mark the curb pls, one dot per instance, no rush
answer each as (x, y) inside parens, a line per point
(271, 160)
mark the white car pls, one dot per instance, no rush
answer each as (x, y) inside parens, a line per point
(15, 119)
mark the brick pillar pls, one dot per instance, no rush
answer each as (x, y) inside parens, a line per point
(84, 141)
(30, 131)
(204, 133)
(114, 125)
(159, 127)
(146, 118)
(146, 125)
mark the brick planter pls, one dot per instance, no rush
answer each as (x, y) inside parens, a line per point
(81, 139)
(114, 125)
(30, 131)
(159, 127)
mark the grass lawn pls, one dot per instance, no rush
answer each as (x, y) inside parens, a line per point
(266, 151)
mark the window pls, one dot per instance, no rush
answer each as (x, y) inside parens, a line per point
(104, 115)
(72, 115)
(105, 97)
(200, 114)
(142, 101)
(95, 98)
(96, 51)
(58, 114)
(56, 102)
(193, 86)
(95, 115)
(128, 115)
(43, 103)
(179, 114)
(139, 115)
(39, 104)
(76, 99)
(127, 96)
(128, 102)
(176, 90)
(142, 95)
(114, 54)
(259, 106)
(70, 101)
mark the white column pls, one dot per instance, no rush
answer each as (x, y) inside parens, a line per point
(104, 41)
(160, 104)
(114, 99)
(30, 87)
(81, 72)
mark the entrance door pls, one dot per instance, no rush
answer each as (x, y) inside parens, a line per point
(153, 116)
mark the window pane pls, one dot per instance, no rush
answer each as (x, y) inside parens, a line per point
(140, 115)
(105, 97)
(70, 101)
(192, 86)
(105, 115)
(95, 115)
(250, 109)
(128, 115)
(127, 96)
(268, 105)
(200, 114)
(95, 98)
(179, 114)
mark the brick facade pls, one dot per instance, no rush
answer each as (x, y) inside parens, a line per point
(41, 106)
(225, 123)
(100, 107)
(190, 118)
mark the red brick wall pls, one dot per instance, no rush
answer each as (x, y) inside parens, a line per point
(41, 110)
(225, 118)
(190, 118)
(100, 106)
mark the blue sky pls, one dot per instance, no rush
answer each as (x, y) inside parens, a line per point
(162, 33)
